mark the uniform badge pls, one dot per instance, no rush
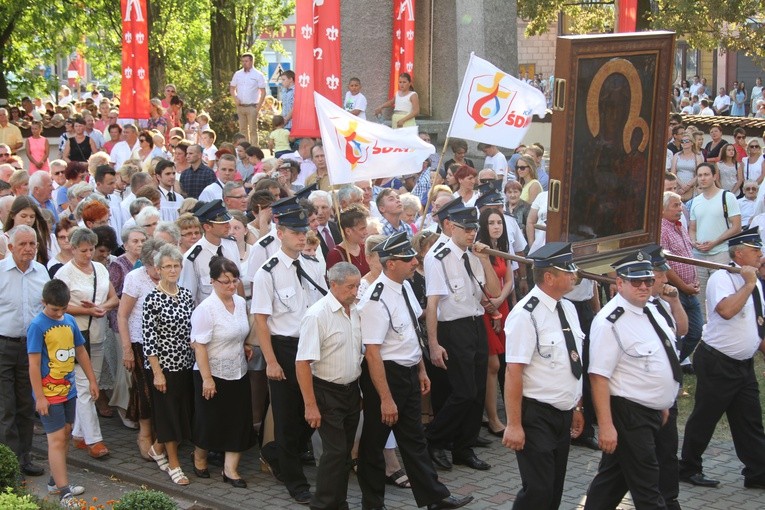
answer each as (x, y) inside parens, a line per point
(639, 256)
(760, 321)
(574, 356)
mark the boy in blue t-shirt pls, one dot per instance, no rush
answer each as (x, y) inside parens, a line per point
(53, 343)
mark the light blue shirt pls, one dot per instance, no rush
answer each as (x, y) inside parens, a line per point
(49, 205)
(20, 295)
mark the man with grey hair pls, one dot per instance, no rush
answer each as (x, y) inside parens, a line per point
(328, 366)
(348, 195)
(40, 189)
(122, 150)
(6, 170)
(327, 230)
(5, 206)
(234, 196)
(169, 232)
(21, 287)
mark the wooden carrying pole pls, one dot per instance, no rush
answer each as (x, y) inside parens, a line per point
(702, 263)
(430, 191)
(606, 280)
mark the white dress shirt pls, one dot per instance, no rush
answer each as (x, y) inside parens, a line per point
(223, 333)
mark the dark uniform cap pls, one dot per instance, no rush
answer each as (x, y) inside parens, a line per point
(491, 198)
(285, 205)
(294, 219)
(491, 186)
(395, 246)
(303, 193)
(749, 237)
(212, 212)
(555, 254)
(658, 260)
(634, 266)
(443, 213)
(466, 217)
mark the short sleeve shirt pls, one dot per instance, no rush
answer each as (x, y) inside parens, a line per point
(248, 85)
(223, 333)
(55, 341)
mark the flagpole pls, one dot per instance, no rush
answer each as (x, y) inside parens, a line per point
(337, 210)
(430, 191)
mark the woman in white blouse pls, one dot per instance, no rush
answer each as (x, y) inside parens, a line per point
(222, 400)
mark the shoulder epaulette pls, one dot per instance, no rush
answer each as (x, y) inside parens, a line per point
(618, 312)
(377, 292)
(266, 241)
(443, 253)
(268, 266)
(195, 253)
(531, 304)
(310, 257)
(438, 246)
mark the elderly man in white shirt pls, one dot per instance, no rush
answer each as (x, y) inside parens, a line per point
(248, 87)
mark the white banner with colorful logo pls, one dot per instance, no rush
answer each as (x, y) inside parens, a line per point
(358, 149)
(494, 107)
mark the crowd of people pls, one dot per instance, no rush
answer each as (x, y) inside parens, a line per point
(698, 98)
(190, 289)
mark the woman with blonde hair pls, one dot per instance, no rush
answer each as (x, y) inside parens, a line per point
(526, 174)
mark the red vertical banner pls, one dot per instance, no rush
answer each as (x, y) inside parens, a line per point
(627, 16)
(134, 97)
(402, 58)
(317, 61)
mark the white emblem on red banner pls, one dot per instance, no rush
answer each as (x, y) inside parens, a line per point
(304, 80)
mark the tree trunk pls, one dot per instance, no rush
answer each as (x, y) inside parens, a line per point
(157, 75)
(5, 38)
(224, 55)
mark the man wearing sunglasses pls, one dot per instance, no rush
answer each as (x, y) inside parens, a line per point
(725, 372)
(635, 375)
(458, 281)
(392, 381)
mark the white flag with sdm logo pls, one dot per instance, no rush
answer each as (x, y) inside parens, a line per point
(358, 150)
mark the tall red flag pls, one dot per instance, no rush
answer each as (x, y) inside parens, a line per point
(627, 16)
(402, 58)
(134, 98)
(317, 62)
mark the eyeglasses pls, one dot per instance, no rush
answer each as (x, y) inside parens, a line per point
(172, 267)
(685, 141)
(522, 167)
(752, 188)
(404, 259)
(191, 234)
(233, 281)
(754, 146)
(4, 154)
(740, 137)
(648, 282)
(57, 173)
(142, 140)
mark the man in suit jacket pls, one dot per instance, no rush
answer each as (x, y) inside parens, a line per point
(328, 231)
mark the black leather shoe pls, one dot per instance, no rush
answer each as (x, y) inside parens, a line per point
(699, 480)
(239, 483)
(482, 442)
(450, 502)
(307, 458)
(30, 469)
(754, 484)
(471, 461)
(586, 442)
(303, 497)
(439, 458)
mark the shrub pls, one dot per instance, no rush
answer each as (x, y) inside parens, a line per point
(11, 501)
(145, 500)
(9, 469)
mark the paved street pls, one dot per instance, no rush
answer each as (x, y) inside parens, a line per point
(494, 489)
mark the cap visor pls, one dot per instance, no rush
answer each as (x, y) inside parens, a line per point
(294, 228)
(404, 255)
(568, 267)
(636, 275)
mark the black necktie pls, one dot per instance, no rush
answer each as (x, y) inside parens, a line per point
(415, 322)
(663, 312)
(758, 312)
(677, 373)
(170, 196)
(573, 354)
(302, 274)
(471, 275)
(220, 250)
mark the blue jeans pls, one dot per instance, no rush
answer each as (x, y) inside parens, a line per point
(695, 322)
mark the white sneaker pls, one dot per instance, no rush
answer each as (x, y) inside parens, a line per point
(74, 490)
(127, 423)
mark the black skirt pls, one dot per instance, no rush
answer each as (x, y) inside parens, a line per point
(172, 411)
(223, 423)
(139, 405)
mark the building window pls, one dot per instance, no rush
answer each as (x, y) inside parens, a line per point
(686, 62)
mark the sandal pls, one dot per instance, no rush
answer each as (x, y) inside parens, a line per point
(177, 476)
(161, 460)
(399, 479)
